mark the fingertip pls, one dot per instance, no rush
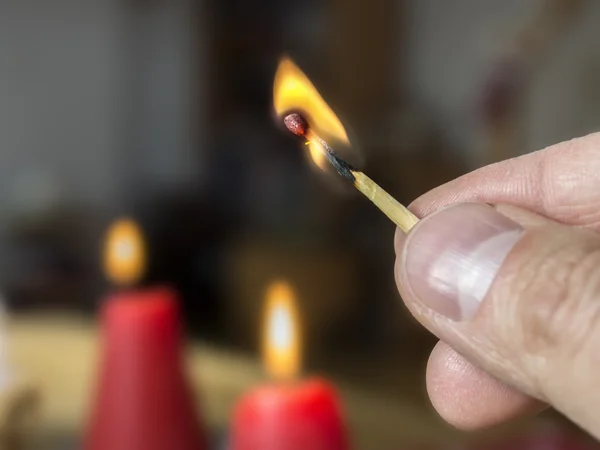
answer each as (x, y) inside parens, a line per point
(399, 239)
(467, 397)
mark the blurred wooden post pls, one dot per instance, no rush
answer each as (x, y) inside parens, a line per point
(365, 42)
(19, 414)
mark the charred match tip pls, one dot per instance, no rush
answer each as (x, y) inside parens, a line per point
(341, 167)
(296, 124)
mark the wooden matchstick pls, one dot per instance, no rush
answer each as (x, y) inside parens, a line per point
(396, 212)
(393, 209)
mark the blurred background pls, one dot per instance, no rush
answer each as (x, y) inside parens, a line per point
(162, 110)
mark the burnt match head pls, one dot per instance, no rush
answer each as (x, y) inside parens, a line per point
(296, 124)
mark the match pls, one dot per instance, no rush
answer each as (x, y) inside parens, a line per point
(393, 209)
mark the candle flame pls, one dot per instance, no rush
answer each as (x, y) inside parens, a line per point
(293, 91)
(124, 252)
(281, 332)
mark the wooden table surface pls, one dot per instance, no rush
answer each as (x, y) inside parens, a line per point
(60, 355)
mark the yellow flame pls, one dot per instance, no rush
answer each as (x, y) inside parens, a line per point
(124, 252)
(293, 91)
(316, 152)
(282, 346)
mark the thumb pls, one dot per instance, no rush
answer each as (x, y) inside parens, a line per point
(516, 294)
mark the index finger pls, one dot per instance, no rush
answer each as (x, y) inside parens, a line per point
(561, 182)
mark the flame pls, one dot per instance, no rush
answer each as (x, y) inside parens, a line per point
(316, 152)
(124, 252)
(281, 346)
(293, 91)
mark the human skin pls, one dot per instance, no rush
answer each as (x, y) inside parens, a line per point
(504, 268)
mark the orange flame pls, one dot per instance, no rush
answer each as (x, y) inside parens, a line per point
(124, 253)
(317, 154)
(293, 91)
(282, 346)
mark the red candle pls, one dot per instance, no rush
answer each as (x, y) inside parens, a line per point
(296, 416)
(143, 400)
(287, 414)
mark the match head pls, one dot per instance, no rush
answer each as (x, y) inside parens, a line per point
(296, 124)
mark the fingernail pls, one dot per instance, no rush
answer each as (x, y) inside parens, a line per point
(452, 257)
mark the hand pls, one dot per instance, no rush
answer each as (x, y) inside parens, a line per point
(511, 287)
